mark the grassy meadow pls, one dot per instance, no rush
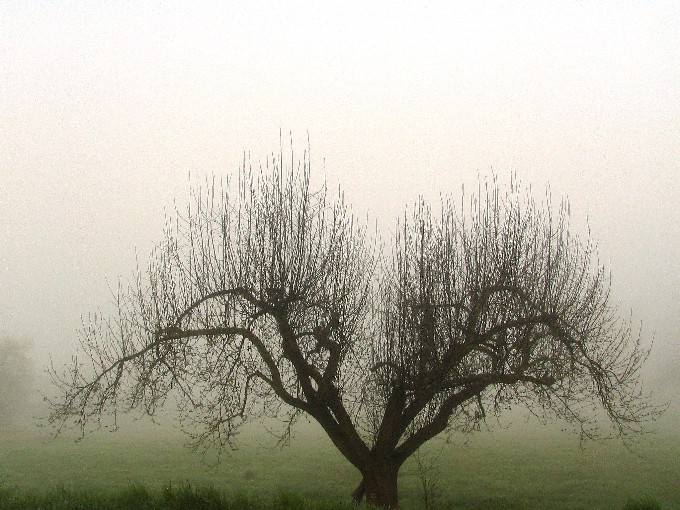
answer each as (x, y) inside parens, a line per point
(505, 469)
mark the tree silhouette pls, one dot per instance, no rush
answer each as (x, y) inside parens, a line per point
(268, 299)
(16, 380)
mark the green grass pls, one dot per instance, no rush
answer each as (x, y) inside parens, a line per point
(136, 497)
(187, 497)
(509, 470)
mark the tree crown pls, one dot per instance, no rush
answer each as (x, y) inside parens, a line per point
(268, 298)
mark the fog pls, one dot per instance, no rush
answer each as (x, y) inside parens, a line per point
(110, 113)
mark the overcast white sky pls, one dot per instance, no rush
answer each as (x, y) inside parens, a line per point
(107, 107)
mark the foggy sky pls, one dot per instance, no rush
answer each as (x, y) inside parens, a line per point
(109, 112)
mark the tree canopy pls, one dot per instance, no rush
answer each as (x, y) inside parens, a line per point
(268, 298)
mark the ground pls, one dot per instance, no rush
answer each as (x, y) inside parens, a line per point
(525, 469)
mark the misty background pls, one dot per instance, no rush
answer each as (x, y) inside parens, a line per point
(109, 114)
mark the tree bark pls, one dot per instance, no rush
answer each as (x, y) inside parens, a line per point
(378, 485)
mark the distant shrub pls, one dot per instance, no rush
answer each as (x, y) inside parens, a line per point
(16, 373)
(643, 504)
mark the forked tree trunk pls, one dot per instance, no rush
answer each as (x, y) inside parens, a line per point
(378, 485)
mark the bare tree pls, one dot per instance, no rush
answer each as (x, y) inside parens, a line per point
(270, 301)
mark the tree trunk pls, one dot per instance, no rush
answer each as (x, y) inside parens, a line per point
(378, 485)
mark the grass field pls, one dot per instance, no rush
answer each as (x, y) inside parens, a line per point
(511, 469)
